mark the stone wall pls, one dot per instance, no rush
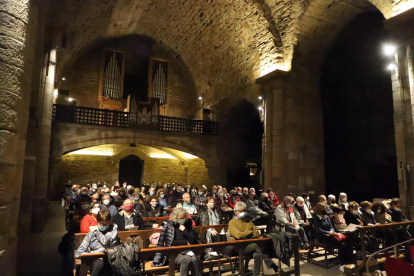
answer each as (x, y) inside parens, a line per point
(82, 79)
(82, 169)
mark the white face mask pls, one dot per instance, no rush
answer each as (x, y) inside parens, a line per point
(378, 211)
(154, 204)
(344, 199)
(211, 205)
(242, 214)
(340, 216)
(355, 212)
(106, 201)
(95, 210)
(368, 211)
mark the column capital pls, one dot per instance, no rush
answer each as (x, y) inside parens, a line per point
(274, 80)
(399, 25)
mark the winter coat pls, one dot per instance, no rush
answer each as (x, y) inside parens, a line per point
(203, 218)
(266, 205)
(97, 241)
(368, 218)
(120, 221)
(167, 233)
(282, 245)
(156, 212)
(254, 212)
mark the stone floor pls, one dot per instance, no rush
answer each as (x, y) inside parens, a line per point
(38, 255)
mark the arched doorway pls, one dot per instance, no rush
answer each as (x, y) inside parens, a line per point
(360, 153)
(131, 169)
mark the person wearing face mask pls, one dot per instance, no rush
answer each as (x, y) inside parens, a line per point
(162, 198)
(152, 191)
(265, 203)
(352, 214)
(343, 201)
(322, 199)
(273, 198)
(367, 214)
(83, 197)
(190, 207)
(213, 192)
(395, 211)
(177, 193)
(381, 215)
(127, 218)
(239, 192)
(139, 207)
(245, 195)
(78, 214)
(305, 196)
(193, 192)
(89, 222)
(153, 209)
(240, 227)
(106, 204)
(332, 202)
(105, 236)
(200, 199)
(338, 220)
(179, 231)
(284, 215)
(143, 193)
(324, 233)
(209, 215)
(119, 199)
(233, 199)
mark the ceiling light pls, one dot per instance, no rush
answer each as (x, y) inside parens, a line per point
(260, 108)
(260, 98)
(162, 155)
(389, 49)
(200, 98)
(92, 152)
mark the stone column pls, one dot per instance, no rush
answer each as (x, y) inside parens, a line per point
(403, 97)
(16, 51)
(273, 85)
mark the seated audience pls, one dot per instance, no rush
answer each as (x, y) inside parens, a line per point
(305, 196)
(180, 231)
(106, 204)
(209, 215)
(89, 222)
(285, 215)
(332, 201)
(273, 197)
(301, 211)
(127, 218)
(343, 201)
(265, 203)
(245, 195)
(324, 233)
(119, 199)
(322, 199)
(352, 214)
(233, 199)
(187, 205)
(104, 236)
(381, 215)
(395, 211)
(367, 214)
(240, 227)
(338, 220)
(200, 199)
(162, 199)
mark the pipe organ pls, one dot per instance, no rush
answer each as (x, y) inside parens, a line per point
(112, 75)
(158, 80)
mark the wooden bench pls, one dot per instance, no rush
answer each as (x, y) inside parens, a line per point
(198, 249)
(361, 265)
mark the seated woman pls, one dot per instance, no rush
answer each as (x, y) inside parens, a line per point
(179, 204)
(324, 233)
(265, 203)
(127, 218)
(381, 215)
(138, 204)
(367, 215)
(162, 199)
(153, 209)
(180, 231)
(338, 220)
(103, 237)
(352, 215)
(89, 222)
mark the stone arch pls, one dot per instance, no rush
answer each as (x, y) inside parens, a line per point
(207, 33)
(147, 141)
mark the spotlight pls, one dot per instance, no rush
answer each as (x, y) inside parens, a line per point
(55, 93)
(63, 78)
(260, 108)
(389, 49)
(260, 98)
(391, 66)
(200, 98)
(70, 99)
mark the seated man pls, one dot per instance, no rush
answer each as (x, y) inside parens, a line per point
(240, 227)
(332, 201)
(284, 214)
(106, 204)
(127, 218)
(395, 211)
(322, 199)
(187, 205)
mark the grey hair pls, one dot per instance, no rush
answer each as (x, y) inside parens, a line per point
(299, 199)
(342, 194)
(263, 196)
(287, 198)
(239, 205)
(331, 197)
(178, 213)
(106, 195)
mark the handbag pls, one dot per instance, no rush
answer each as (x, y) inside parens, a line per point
(339, 236)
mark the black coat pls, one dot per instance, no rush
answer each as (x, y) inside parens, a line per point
(120, 221)
(203, 218)
(351, 218)
(397, 216)
(368, 218)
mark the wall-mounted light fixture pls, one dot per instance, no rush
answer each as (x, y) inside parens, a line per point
(55, 93)
(63, 78)
(389, 49)
(391, 66)
(70, 99)
(260, 98)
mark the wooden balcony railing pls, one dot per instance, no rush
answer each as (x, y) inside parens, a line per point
(104, 117)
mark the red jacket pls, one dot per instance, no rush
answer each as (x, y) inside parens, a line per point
(87, 221)
(235, 199)
(274, 200)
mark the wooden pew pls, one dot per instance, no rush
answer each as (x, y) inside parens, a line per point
(359, 268)
(145, 234)
(198, 249)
